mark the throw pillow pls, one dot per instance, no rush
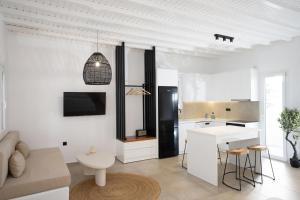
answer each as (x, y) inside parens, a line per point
(23, 148)
(16, 164)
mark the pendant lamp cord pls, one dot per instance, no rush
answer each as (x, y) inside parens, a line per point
(97, 40)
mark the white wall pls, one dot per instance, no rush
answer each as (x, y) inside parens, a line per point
(278, 57)
(2, 69)
(166, 77)
(135, 66)
(39, 70)
(2, 41)
(275, 58)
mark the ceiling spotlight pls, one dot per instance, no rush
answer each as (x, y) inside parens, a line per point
(224, 37)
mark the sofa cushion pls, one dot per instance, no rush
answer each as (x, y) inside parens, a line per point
(2, 134)
(23, 148)
(7, 147)
(16, 164)
(45, 170)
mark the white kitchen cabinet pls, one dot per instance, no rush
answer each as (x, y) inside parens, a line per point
(192, 87)
(239, 84)
(183, 127)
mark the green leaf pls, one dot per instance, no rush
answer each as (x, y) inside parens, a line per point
(290, 121)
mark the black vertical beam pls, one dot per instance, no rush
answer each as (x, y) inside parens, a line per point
(120, 92)
(144, 123)
(150, 86)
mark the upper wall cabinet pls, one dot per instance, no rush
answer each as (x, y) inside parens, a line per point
(192, 87)
(240, 84)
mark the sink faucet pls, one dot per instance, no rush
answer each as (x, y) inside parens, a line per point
(206, 115)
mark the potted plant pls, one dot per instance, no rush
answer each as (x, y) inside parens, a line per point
(289, 122)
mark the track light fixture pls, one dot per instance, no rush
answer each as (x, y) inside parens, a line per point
(224, 37)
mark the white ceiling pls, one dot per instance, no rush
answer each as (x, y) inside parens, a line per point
(181, 26)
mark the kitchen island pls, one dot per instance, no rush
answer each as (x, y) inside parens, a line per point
(202, 156)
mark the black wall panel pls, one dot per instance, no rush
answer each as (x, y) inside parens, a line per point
(120, 92)
(150, 85)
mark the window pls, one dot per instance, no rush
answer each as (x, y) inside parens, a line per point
(274, 104)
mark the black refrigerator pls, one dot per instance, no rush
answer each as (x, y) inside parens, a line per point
(168, 121)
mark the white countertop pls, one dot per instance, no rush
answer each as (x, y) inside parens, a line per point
(224, 130)
(195, 120)
(226, 133)
(203, 120)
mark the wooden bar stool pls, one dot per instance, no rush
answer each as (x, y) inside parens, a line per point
(237, 152)
(259, 148)
(184, 152)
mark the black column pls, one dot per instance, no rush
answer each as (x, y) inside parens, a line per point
(150, 86)
(120, 92)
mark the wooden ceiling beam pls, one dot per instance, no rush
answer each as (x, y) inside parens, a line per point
(180, 21)
(69, 36)
(90, 34)
(226, 15)
(88, 11)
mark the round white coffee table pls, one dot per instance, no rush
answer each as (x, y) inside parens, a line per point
(97, 162)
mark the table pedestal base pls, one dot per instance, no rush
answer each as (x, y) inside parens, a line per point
(100, 177)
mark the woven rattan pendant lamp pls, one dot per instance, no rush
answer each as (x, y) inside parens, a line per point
(97, 70)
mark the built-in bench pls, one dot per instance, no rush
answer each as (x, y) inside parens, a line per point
(46, 175)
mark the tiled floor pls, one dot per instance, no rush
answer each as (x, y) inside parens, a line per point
(177, 184)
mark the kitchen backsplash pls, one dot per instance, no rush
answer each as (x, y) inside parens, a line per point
(248, 110)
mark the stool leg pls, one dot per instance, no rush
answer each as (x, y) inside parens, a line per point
(252, 181)
(255, 171)
(261, 169)
(254, 161)
(261, 172)
(248, 157)
(236, 167)
(219, 155)
(225, 168)
(183, 155)
(237, 173)
(271, 164)
(240, 180)
(245, 166)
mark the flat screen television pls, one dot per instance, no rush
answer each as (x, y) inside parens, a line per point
(84, 103)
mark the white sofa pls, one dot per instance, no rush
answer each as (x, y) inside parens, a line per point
(46, 175)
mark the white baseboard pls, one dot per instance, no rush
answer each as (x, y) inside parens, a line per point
(57, 194)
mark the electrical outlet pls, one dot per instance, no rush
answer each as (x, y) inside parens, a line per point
(228, 109)
(64, 143)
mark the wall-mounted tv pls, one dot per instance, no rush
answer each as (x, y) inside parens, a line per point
(84, 103)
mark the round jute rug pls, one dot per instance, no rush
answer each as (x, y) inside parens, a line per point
(119, 186)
